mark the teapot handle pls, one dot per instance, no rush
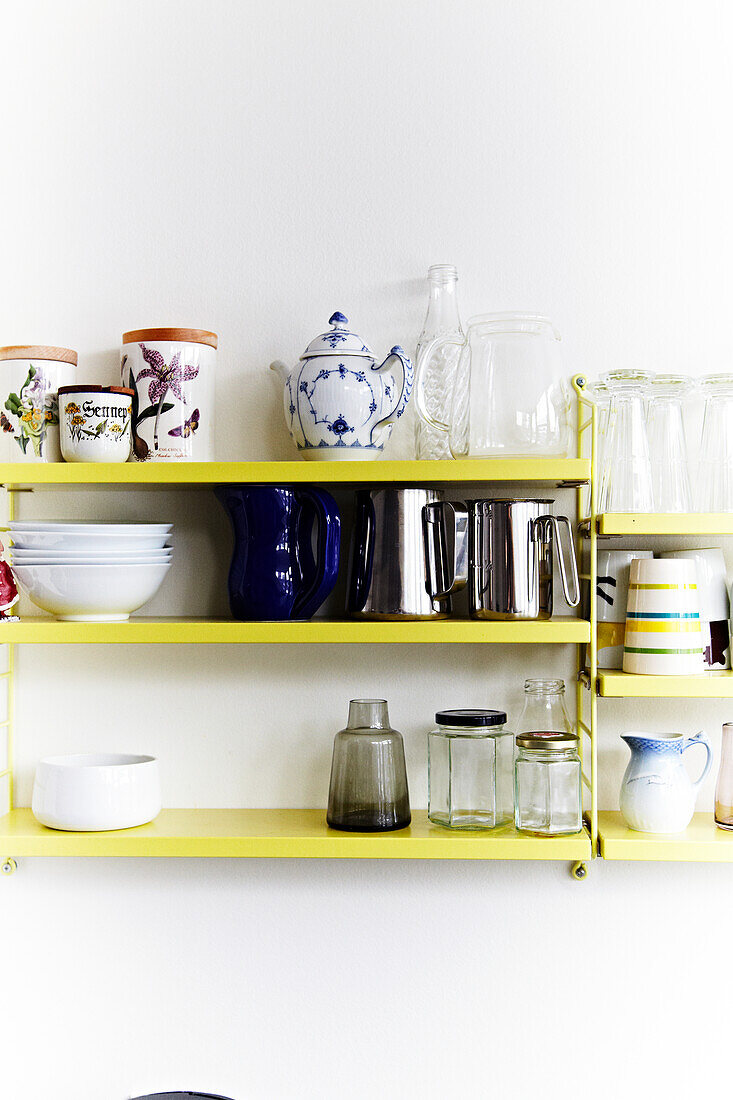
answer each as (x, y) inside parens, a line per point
(700, 739)
(408, 377)
(426, 354)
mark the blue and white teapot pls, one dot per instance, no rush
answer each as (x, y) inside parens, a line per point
(338, 402)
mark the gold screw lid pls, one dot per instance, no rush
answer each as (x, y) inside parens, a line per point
(547, 742)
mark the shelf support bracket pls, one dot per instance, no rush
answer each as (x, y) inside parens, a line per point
(9, 866)
(579, 871)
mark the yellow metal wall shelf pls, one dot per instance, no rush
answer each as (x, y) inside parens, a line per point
(665, 523)
(282, 833)
(710, 685)
(702, 841)
(225, 631)
(544, 471)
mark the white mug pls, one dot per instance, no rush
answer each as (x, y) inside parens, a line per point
(663, 632)
(612, 587)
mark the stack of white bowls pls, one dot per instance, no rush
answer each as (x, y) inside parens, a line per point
(90, 572)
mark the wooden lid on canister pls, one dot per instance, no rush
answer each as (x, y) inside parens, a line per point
(39, 351)
(180, 335)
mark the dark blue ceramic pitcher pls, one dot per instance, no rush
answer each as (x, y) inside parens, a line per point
(274, 573)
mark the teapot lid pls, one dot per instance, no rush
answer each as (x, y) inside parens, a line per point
(339, 341)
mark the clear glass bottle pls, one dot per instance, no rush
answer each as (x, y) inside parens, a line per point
(627, 484)
(667, 444)
(470, 770)
(442, 319)
(368, 791)
(724, 786)
(547, 785)
(544, 708)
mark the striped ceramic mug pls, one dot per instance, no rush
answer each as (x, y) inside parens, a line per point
(663, 631)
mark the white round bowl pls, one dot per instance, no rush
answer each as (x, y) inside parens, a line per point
(91, 593)
(21, 552)
(95, 792)
(138, 559)
(64, 540)
(80, 527)
(79, 557)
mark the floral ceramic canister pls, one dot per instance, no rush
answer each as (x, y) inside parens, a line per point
(31, 375)
(171, 371)
(95, 423)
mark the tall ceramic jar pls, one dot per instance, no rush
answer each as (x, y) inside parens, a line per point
(171, 371)
(30, 376)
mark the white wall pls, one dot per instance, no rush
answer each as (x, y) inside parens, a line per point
(250, 168)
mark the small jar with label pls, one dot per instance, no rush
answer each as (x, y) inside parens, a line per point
(470, 775)
(548, 784)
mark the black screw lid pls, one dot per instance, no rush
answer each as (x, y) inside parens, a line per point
(473, 718)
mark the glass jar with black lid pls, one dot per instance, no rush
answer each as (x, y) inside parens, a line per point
(470, 770)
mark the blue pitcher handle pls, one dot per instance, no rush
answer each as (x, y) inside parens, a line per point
(700, 739)
(408, 377)
(318, 574)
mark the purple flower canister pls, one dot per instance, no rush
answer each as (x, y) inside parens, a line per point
(171, 372)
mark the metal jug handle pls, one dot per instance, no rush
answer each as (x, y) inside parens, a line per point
(573, 600)
(437, 582)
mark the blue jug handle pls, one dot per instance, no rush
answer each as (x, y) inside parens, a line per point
(317, 574)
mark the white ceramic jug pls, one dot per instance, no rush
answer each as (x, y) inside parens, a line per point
(657, 794)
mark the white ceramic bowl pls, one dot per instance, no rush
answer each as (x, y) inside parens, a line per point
(91, 593)
(95, 792)
(81, 557)
(76, 527)
(63, 540)
(137, 559)
(68, 555)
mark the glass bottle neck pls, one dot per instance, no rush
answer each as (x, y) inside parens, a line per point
(442, 315)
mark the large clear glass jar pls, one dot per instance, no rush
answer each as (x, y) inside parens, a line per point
(544, 708)
(470, 770)
(547, 785)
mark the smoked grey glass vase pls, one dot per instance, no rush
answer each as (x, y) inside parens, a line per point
(368, 777)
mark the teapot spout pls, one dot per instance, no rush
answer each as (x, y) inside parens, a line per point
(282, 369)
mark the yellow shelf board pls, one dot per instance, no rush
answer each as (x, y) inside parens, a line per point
(701, 842)
(665, 523)
(547, 471)
(37, 630)
(281, 833)
(709, 685)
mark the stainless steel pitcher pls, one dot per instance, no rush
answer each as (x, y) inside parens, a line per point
(510, 559)
(399, 566)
